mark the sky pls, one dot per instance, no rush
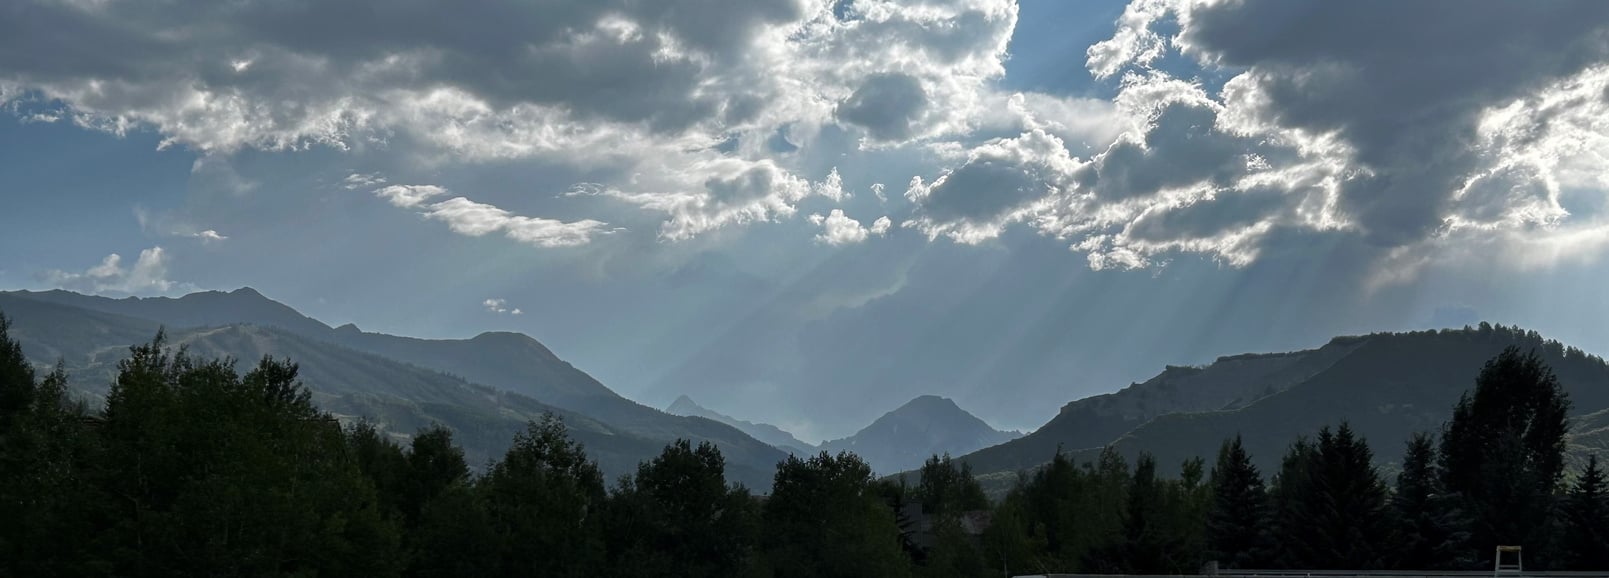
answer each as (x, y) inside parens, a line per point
(807, 212)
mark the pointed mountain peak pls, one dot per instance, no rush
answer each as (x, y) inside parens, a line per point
(247, 292)
(684, 405)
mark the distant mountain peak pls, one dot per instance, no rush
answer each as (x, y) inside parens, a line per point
(247, 292)
(931, 403)
(682, 401)
(924, 426)
(770, 434)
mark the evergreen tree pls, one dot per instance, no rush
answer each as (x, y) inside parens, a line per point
(1189, 499)
(1289, 533)
(1428, 532)
(1503, 455)
(1237, 516)
(1351, 525)
(1148, 544)
(1587, 520)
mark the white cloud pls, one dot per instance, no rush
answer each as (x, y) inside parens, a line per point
(408, 196)
(473, 219)
(641, 89)
(682, 105)
(1315, 132)
(209, 236)
(362, 181)
(148, 275)
(500, 306)
(881, 225)
(838, 229)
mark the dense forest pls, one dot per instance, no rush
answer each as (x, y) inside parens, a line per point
(193, 469)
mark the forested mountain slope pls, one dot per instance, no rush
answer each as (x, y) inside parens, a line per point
(401, 397)
(1387, 386)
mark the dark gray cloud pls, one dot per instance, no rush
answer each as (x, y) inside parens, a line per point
(1405, 125)
(1404, 84)
(617, 60)
(1183, 147)
(886, 105)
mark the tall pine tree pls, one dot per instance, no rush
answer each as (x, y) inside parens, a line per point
(1429, 532)
(1586, 537)
(1236, 519)
(1351, 527)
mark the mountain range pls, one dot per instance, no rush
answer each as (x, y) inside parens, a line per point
(484, 388)
(1386, 385)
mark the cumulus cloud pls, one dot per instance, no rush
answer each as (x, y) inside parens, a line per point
(148, 275)
(839, 229)
(500, 307)
(881, 226)
(1411, 127)
(681, 96)
(732, 192)
(997, 185)
(473, 219)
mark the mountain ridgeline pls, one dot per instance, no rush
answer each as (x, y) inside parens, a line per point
(1387, 386)
(777, 437)
(485, 388)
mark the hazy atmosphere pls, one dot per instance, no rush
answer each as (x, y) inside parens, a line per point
(807, 213)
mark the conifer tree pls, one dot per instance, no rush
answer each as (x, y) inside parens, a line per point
(1238, 514)
(1289, 533)
(1350, 522)
(1587, 520)
(1429, 533)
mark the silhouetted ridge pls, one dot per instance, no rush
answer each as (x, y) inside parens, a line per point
(1388, 385)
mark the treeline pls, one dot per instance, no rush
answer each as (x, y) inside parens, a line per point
(1494, 476)
(192, 469)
